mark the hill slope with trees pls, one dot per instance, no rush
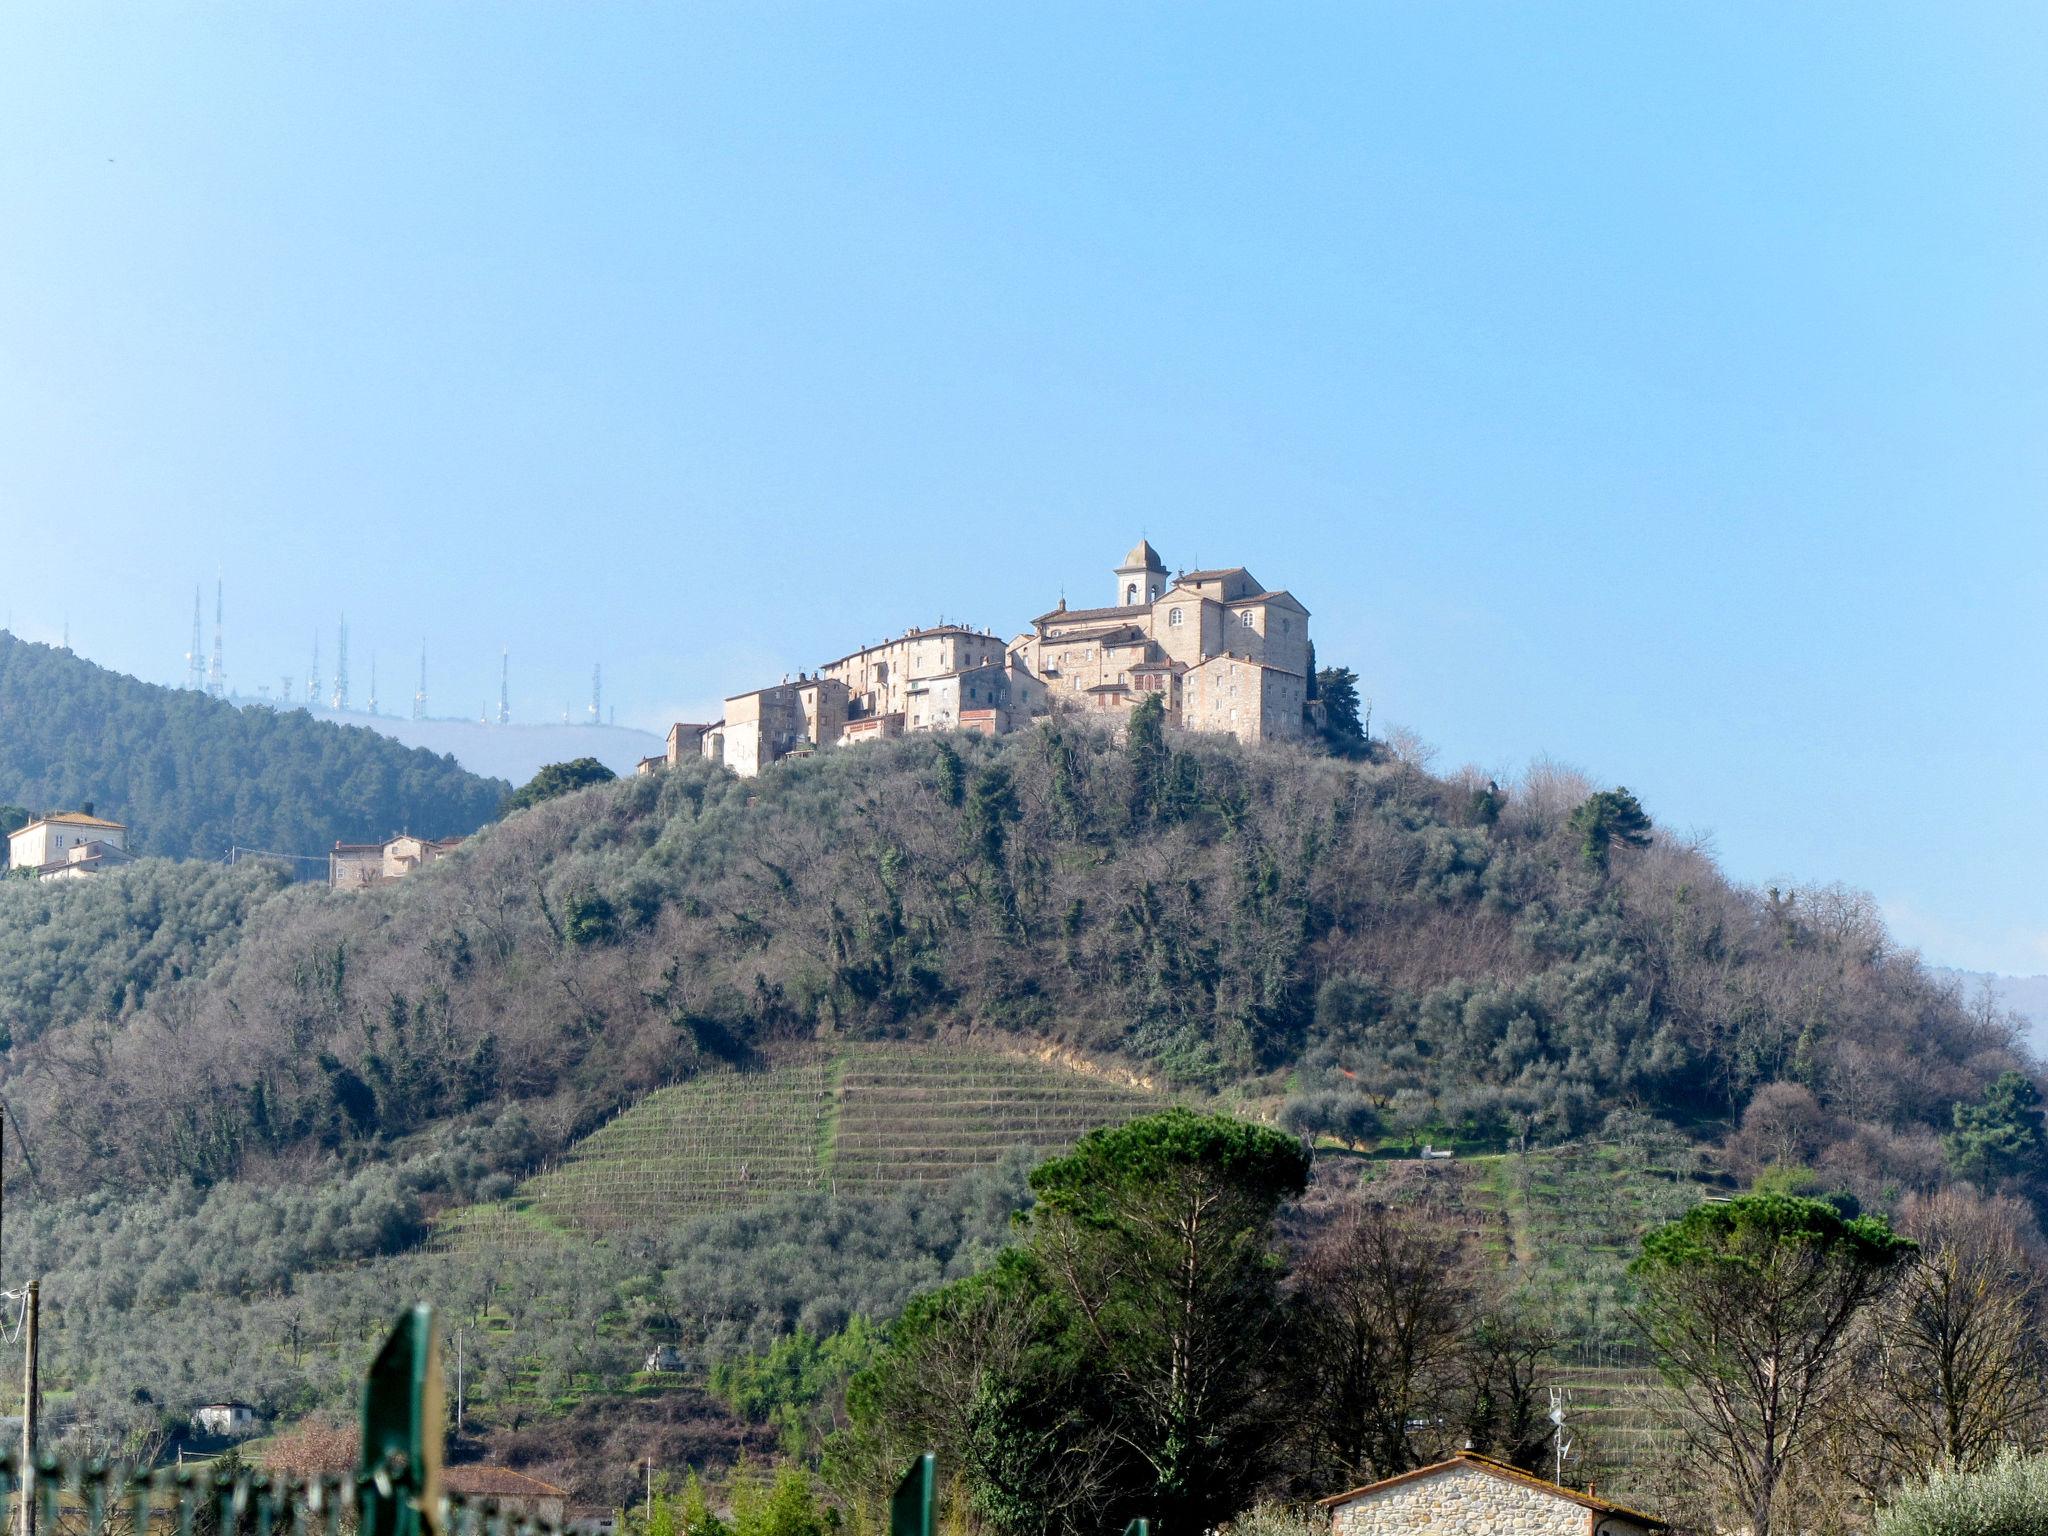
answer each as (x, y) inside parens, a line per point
(1407, 955)
(193, 776)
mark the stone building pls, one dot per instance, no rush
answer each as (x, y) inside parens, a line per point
(67, 845)
(783, 720)
(1470, 1493)
(357, 866)
(883, 679)
(686, 739)
(1220, 651)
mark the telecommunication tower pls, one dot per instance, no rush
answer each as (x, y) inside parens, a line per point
(373, 682)
(195, 667)
(505, 686)
(597, 694)
(313, 677)
(341, 664)
(419, 698)
(216, 673)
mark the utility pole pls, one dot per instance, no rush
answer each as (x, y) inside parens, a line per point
(650, 1493)
(31, 1409)
(458, 1381)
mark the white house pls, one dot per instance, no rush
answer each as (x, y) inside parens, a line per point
(67, 844)
(225, 1419)
(1472, 1493)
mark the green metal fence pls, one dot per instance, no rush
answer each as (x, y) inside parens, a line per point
(395, 1489)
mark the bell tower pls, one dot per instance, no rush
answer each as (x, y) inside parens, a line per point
(1141, 578)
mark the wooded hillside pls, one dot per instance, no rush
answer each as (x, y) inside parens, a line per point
(1405, 954)
(192, 776)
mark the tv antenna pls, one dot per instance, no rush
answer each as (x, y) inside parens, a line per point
(1559, 1401)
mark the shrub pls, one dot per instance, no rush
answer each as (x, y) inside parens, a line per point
(2007, 1498)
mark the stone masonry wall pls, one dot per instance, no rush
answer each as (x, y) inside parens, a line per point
(1464, 1500)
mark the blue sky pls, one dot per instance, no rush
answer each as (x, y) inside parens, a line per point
(1660, 389)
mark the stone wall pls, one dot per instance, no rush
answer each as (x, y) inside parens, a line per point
(1466, 1499)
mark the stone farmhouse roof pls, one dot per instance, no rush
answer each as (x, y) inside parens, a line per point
(1505, 1473)
(71, 819)
(481, 1480)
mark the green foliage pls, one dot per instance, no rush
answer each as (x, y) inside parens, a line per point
(192, 776)
(783, 1387)
(1343, 729)
(558, 779)
(589, 918)
(2007, 1498)
(785, 1506)
(952, 775)
(1748, 1304)
(1145, 748)
(2002, 1137)
(1602, 820)
(1737, 1241)
(1142, 1322)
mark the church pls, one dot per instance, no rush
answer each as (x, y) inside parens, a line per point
(1219, 650)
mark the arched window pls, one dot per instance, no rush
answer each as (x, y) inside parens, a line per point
(1173, 618)
(1250, 621)
(1131, 593)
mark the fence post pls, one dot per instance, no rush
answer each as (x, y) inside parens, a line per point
(403, 1426)
(913, 1508)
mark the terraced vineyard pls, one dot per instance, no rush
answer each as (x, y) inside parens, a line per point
(861, 1120)
(1568, 1220)
(913, 1118)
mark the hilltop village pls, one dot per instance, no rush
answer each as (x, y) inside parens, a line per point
(1222, 654)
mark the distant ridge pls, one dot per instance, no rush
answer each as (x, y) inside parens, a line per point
(513, 752)
(194, 776)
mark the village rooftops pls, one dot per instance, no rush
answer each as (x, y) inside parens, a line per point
(936, 632)
(1058, 615)
(1500, 1469)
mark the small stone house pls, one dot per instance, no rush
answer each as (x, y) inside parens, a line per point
(1471, 1493)
(515, 1493)
(225, 1420)
(68, 845)
(358, 866)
